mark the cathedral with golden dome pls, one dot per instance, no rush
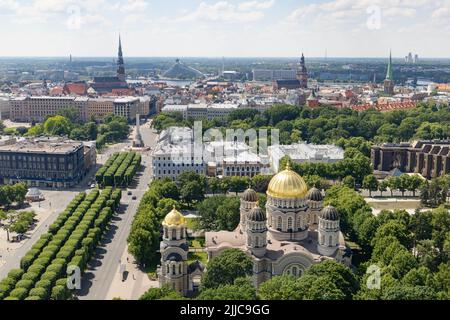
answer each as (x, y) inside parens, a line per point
(294, 232)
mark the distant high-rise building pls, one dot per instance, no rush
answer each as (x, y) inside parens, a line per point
(302, 74)
(389, 81)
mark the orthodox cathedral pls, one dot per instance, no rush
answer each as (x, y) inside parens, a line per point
(293, 233)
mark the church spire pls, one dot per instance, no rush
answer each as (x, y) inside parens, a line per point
(302, 73)
(390, 73)
(120, 62)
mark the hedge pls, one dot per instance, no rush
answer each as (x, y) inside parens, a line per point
(119, 170)
(42, 273)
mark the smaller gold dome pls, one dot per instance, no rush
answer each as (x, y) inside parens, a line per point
(287, 184)
(174, 218)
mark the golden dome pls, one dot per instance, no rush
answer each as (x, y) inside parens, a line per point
(174, 218)
(287, 184)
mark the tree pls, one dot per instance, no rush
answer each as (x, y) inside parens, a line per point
(349, 182)
(57, 125)
(396, 229)
(401, 264)
(370, 183)
(242, 289)
(219, 213)
(405, 292)
(226, 268)
(260, 182)
(238, 184)
(414, 183)
(382, 186)
(319, 288)
(284, 287)
(404, 183)
(192, 192)
(394, 184)
(338, 274)
(160, 294)
(143, 239)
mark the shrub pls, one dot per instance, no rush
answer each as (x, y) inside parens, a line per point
(40, 293)
(16, 274)
(33, 276)
(36, 298)
(26, 284)
(19, 293)
(60, 293)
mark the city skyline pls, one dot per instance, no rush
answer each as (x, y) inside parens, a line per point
(265, 28)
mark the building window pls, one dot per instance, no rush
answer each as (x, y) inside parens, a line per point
(289, 224)
(280, 223)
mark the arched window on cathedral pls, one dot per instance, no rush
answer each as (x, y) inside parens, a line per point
(179, 269)
(330, 241)
(173, 269)
(279, 223)
(294, 271)
(167, 269)
(299, 222)
(257, 242)
(322, 239)
(174, 234)
(289, 224)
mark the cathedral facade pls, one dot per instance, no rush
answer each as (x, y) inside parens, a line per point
(293, 233)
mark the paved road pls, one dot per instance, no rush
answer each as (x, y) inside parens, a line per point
(12, 258)
(98, 279)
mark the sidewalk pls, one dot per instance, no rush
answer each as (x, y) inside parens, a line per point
(136, 283)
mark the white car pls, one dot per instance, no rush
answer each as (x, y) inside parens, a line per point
(93, 186)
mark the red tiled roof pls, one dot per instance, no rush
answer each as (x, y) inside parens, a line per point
(78, 88)
(56, 91)
(386, 106)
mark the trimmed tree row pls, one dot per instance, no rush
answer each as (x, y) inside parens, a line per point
(70, 242)
(119, 170)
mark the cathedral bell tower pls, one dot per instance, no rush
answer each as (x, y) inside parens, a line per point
(257, 231)
(174, 253)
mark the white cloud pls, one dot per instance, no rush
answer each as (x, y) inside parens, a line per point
(222, 11)
(130, 6)
(442, 12)
(256, 5)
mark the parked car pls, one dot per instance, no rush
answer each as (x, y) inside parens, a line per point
(134, 198)
(129, 193)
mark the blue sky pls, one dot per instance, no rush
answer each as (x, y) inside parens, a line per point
(284, 28)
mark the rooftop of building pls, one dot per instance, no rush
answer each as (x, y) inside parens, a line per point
(275, 249)
(309, 151)
(51, 145)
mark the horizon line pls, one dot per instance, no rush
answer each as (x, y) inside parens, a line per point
(221, 57)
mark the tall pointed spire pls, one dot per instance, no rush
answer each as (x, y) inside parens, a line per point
(120, 62)
(302, 73)
(390, 73)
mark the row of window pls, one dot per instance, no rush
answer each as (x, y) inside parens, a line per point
(178, 165)
(176, 171)
(243, 169)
